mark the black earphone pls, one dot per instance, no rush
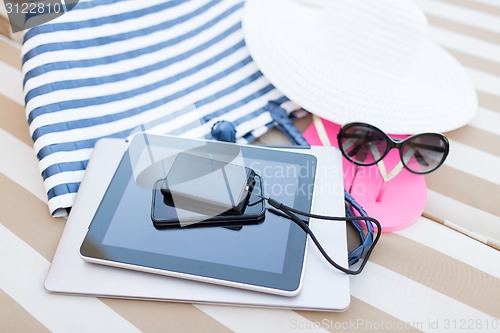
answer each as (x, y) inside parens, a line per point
(225, 131)
(368, 242)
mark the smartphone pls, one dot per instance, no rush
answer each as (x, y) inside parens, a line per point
(166, 215)
(208, 184)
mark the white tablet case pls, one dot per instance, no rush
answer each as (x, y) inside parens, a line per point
(324, 288)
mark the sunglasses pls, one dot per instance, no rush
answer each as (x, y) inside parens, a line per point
(364, 144)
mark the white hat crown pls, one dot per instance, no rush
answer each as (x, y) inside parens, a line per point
(359, 60)
(377, 34)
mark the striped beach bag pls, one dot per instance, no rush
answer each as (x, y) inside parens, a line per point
(109, 66)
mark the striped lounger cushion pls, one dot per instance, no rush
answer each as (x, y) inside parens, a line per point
(108, 66)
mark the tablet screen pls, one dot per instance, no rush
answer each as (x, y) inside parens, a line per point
(269, 254)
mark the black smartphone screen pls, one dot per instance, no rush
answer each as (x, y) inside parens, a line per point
(209, 184)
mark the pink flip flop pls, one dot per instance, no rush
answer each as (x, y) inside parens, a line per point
(391, 194)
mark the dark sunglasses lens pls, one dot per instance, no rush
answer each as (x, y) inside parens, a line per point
(363, 145)
(424, 153)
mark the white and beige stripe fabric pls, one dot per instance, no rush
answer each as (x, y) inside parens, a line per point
(466, 191)
(427, 277)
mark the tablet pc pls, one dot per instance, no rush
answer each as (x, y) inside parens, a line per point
(268, 257)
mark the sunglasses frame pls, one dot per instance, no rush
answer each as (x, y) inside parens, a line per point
(392, 143)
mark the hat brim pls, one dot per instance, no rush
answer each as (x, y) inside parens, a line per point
(436, 95)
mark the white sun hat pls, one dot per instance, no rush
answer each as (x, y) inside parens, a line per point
(359, 60)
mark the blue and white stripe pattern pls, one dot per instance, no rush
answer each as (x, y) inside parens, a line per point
(109, 66)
